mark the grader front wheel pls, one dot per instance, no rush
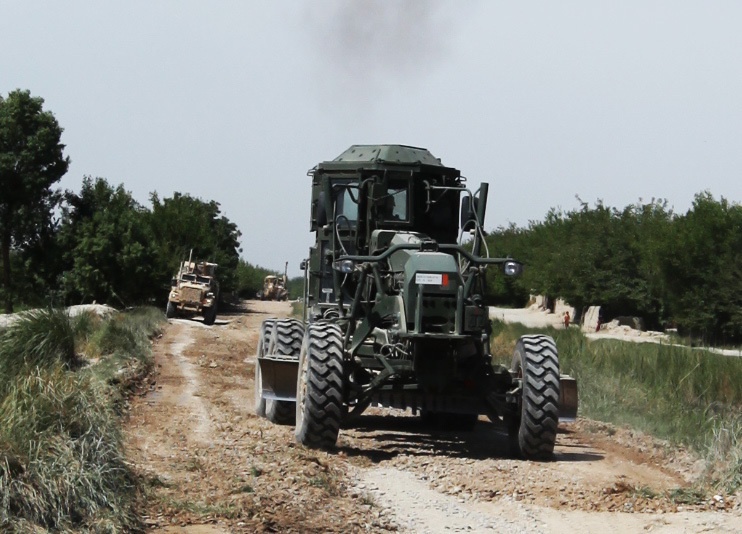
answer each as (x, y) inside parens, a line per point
(534, 429)
(319, 402)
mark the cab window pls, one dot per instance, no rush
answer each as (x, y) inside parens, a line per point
(346, 205)
(395, 204)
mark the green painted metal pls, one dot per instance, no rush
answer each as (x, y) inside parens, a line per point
(387, 267)
(393, 154)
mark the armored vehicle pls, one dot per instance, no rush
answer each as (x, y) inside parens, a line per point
(394, 311)
(194, 291)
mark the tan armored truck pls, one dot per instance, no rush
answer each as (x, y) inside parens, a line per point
(194, 291)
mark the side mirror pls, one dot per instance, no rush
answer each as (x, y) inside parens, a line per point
(468, 213)
(303, 265)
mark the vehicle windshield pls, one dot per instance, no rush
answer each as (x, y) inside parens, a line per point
(189, 277)
(395, 204)
(346, 206)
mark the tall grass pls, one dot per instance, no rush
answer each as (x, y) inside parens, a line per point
(61, 461)
(689, 397)
(38, 339)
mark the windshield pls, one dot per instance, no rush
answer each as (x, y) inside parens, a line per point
(346, 206)
(395, 205)
(195, 278)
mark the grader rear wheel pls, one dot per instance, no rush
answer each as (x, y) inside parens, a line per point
(266, 331)
(286, 340)
(319, 401)
(533, 431)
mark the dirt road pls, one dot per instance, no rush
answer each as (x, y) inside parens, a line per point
(212, 466)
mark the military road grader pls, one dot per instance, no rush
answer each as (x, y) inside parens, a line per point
(274, 287)
(394, 311)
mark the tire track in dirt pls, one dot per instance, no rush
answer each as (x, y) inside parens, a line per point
(243, 474)
(189, 397)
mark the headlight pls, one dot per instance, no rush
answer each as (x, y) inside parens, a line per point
(512, 268)
(344, 266)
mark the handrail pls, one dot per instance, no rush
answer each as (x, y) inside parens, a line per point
(418, 246)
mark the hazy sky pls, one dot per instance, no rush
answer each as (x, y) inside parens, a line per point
(235, 101)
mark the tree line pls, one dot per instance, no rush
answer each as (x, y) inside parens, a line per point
(98, 244)
(674, 270)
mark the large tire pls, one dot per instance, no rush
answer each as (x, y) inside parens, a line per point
(319, 400)
(210, 315)
(170, 310)
(286, 340)
(266, 331)
(533, 431)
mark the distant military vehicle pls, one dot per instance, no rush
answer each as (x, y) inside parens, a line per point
(194, 291)
(274, 287)
(394, 311)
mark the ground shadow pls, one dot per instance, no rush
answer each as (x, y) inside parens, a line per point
(196, 320)
(381, 438)
(233, 309)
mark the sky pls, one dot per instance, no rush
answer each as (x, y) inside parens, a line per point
(551, 103)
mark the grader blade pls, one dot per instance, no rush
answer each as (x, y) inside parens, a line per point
(567, 399)
(279, 376)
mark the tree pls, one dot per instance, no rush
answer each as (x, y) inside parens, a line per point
(250, 279)
(590, 256)
(108, 246)
(31, 161)
(702, 266)
(184, 223)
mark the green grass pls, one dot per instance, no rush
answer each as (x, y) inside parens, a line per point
(61, 462)
(689, 397)
(39, 338)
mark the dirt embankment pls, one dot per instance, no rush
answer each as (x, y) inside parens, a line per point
(212, 466)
